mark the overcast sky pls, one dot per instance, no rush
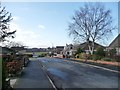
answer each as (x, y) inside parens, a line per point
(43, 24)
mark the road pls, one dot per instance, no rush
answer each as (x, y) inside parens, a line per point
(69, 74)
(33, 77)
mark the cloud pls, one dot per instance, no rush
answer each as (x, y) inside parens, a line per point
(41, 26)
(26, 36)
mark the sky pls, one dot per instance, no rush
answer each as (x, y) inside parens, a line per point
(45, 24)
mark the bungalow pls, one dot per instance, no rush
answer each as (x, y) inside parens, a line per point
(84, 46)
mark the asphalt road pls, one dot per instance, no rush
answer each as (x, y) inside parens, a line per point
(69, 74)
(33, 77)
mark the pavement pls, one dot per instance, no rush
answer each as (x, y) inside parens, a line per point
(69, 74)
(33, 77)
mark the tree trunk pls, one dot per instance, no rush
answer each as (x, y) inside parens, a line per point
(91, 48)
(92, 51)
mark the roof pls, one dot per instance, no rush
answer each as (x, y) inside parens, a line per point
(115, 42)
(85, 47)
(59, 46)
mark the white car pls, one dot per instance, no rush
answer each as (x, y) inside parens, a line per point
(35, 56)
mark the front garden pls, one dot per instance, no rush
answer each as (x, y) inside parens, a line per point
(12, 66)
(99, 56)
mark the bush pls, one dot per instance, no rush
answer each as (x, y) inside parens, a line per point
(90, 57)
(29, 55)
(117, 58)
(84, 56)
(112, 53)
(106, 59)
(100, 52)
(42, 55)
(79, 50)
(96, 57)
(77, 56)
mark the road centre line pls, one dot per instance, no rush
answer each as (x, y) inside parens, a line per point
(50, 80)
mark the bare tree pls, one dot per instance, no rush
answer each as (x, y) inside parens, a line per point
(91, 22)
(5, 18)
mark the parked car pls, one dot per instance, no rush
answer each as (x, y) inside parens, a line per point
(35, 56)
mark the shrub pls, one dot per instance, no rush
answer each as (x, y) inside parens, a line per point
(106, 59)
(29, 55)
(84, 56)
(78, 55)
(100, 52)
(79, 50)
(112, 53)
(43, 55)
(96, 57)
(90, 57)
(117, 58)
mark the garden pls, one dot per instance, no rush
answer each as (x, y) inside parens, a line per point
(99, 56)
(12, 66)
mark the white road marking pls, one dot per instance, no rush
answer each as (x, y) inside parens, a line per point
(51, 82)
(53, 85)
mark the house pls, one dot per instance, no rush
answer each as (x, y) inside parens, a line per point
(70, 50)
(115, 44)
(59, 49)
(51, 50)
(36, 50)
(85, 47)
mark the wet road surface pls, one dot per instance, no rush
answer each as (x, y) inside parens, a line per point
(67, 74)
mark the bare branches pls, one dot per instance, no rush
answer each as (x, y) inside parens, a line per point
(91, 22)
